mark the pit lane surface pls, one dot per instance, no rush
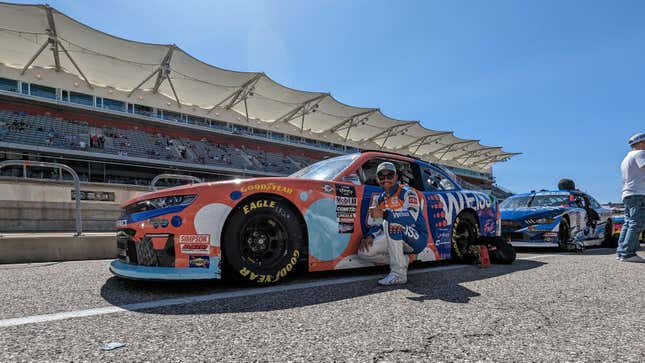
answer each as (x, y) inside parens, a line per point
(546, 306)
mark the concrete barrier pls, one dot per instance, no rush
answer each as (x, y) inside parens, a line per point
(46, 247)
(30, 205)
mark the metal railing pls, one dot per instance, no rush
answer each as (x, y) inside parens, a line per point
(153, 184)
(77, 182)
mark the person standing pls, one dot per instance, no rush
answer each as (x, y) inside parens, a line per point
(633, 171)
(402, 228)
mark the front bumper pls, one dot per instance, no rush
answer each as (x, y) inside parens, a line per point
(154, 257)
(138, 272)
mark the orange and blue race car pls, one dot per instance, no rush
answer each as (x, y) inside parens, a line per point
(258, 230)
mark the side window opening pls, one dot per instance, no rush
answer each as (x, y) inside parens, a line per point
(367, 172)
(434, 180)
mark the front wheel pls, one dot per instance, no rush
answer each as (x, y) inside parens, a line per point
(564, 234)
(465, 232)
(263, 241)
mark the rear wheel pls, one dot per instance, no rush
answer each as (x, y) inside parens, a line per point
(263, 242)
(465, 231)
(564, 234)
(608, 238)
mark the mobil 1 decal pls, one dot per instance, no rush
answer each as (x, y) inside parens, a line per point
(346, 202)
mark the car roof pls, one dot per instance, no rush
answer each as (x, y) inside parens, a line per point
(546, 192)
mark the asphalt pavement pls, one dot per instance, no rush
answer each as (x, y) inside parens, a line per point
(547, 306)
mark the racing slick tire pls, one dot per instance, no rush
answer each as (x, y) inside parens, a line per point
(564, 234)
(263, 242)
(465, 231)
(608, 238)
(501, 252)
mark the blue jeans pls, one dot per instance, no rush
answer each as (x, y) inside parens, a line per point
(634, 223)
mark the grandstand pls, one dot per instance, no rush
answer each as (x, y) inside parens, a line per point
(120, 112)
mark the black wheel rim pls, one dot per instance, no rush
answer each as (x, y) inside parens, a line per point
(264, 242)
(463, 235)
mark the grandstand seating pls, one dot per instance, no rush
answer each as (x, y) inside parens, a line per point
(49, 131)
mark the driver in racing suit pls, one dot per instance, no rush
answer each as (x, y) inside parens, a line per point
(400, 226)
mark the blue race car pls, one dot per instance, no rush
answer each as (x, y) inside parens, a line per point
(567, 219)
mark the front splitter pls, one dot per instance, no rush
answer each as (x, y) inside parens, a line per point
(138, 272)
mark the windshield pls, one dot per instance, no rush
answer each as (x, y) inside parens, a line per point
(535, 200)
(326, 169)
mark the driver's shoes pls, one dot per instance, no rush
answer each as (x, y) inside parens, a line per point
(635, 258)
(393, 279)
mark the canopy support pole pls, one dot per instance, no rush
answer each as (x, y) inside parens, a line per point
(351, 119)
(390, 129)
(40, 50)
(75, 65)
(305, 107)
(449, 147)
(172, 87)
(156, 71)
(53, 36)
(234, 97)
(163, 70)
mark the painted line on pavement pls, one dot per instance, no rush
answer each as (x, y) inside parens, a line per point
(214, 296)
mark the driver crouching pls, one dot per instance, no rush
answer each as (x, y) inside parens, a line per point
(398, 227)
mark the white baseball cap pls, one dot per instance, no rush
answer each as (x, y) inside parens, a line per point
(636, 138)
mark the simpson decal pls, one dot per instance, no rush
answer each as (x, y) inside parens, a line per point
(194, 238)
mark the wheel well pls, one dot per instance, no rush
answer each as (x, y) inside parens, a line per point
(473, 214)
(566, 216)
(281, 199)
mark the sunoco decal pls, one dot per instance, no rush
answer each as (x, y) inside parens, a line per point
(199, 261)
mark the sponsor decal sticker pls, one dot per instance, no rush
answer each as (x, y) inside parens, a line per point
(194, 248)
(122, 223)
(266, 187)
(327, 188)
(346, 202)
(195, 238)
(199, 261)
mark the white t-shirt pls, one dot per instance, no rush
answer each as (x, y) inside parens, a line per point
(633, 170)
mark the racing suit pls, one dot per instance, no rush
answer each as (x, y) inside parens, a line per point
(403, 229)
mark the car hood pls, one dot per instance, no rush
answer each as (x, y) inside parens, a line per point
(208, 187)
(531, 212)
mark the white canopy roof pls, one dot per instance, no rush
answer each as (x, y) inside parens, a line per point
(41, 36)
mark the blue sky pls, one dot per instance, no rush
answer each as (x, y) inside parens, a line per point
(560, 81)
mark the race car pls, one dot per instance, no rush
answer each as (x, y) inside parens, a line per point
(618, 219)
(567, 219)
(258, 230)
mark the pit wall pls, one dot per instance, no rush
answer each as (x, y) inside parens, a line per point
(29, 205)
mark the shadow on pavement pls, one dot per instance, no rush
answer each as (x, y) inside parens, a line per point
(589, 251)
(445, 285)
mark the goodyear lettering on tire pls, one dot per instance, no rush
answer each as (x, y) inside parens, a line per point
(265, 279)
